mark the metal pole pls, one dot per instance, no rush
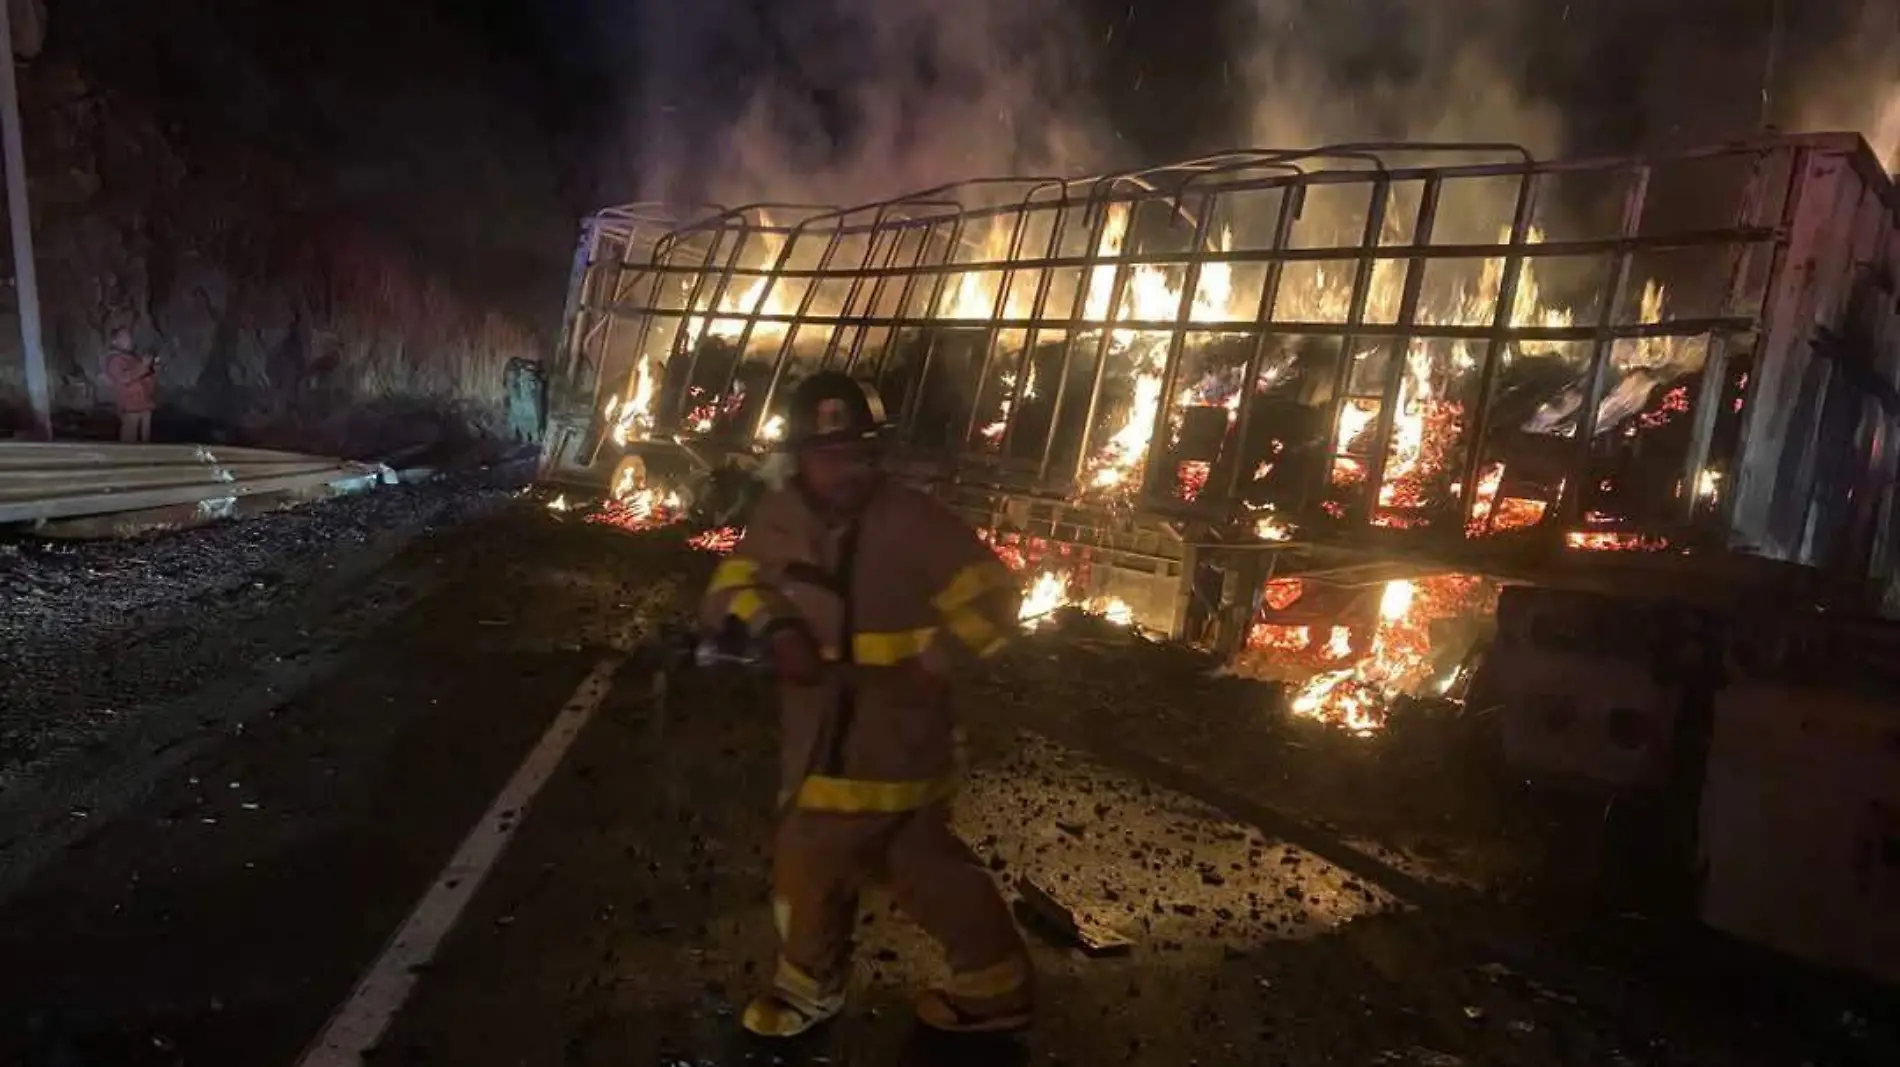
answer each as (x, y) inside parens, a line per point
(26, 282)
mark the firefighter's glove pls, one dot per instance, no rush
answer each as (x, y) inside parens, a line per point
(925, 684)
(795, 656)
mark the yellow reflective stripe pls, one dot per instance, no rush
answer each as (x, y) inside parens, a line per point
(873, 649)
(820, 793)
(980, 634)
(733, 573)
(999, 980)
(748, 605)
(972, 582)
(792, 979)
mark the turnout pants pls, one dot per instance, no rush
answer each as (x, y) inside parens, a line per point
(824, 859)
(135, 427)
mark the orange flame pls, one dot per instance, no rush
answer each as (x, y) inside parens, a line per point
(1397, 658)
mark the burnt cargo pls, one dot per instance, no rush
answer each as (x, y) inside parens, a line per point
(1458, 356)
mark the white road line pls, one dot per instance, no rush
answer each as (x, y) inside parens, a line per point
(358, 1024)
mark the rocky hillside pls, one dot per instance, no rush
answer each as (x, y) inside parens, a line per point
(335, 222)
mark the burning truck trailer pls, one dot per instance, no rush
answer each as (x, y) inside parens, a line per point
(1600, 448)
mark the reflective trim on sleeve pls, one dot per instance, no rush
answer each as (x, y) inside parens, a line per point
(978, 633)
(972, 582)
(820, 793)
(888, 649)
(998, 980)
(733, 573)
(748, 605)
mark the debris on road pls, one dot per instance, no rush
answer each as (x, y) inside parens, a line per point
(1042, 910)
(632, 910)
(93, 634)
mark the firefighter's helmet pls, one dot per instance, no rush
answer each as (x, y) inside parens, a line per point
(833, 408)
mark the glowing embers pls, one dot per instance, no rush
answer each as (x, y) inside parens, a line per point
(1490, 515)
(1425, 450)
(1190, 479)
(1051, 572)
(1150, 294)
(719, 540)
(1349, 652)
(633, 420)
(635, 504)
(1614, 541)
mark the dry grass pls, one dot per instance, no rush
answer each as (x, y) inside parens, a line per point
(393, 331)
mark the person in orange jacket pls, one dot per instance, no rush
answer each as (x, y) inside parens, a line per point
(135, 381)
(871, 597)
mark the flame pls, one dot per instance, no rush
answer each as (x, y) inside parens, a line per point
(1397, 659)
(974, 294)
(1355, 418)
(1152, 294)
(1049, 593)
(635, 506)
(1270, 528)
(1489, 515)
(1614, 541)
(773, 430)
(760, 297)
(633, 420)
(559, 503)
(1424, 429)
(1427, 420)
(992, 434)
(1339, 643)
(1356, 696)
(1282, 638)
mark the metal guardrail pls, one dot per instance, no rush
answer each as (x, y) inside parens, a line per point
(62, 480)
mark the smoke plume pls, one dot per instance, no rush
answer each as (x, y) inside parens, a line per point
(844, 101)
(1854, 82)
(1329, 71)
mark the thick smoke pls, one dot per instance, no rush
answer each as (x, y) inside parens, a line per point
(1329, 71)
(844, 101)
(1854, 84)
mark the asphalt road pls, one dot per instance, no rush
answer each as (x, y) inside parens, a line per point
(1294, 897)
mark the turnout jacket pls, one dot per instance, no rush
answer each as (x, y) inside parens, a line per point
(906, 584)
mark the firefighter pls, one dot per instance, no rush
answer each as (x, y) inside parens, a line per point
(135, 378)
(870, 597)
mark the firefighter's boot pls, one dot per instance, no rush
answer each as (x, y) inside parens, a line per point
(997, 1002)
(796, 1004)
(816, 870)
(940, 884)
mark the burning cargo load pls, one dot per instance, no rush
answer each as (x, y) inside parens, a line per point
(1439, 354)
